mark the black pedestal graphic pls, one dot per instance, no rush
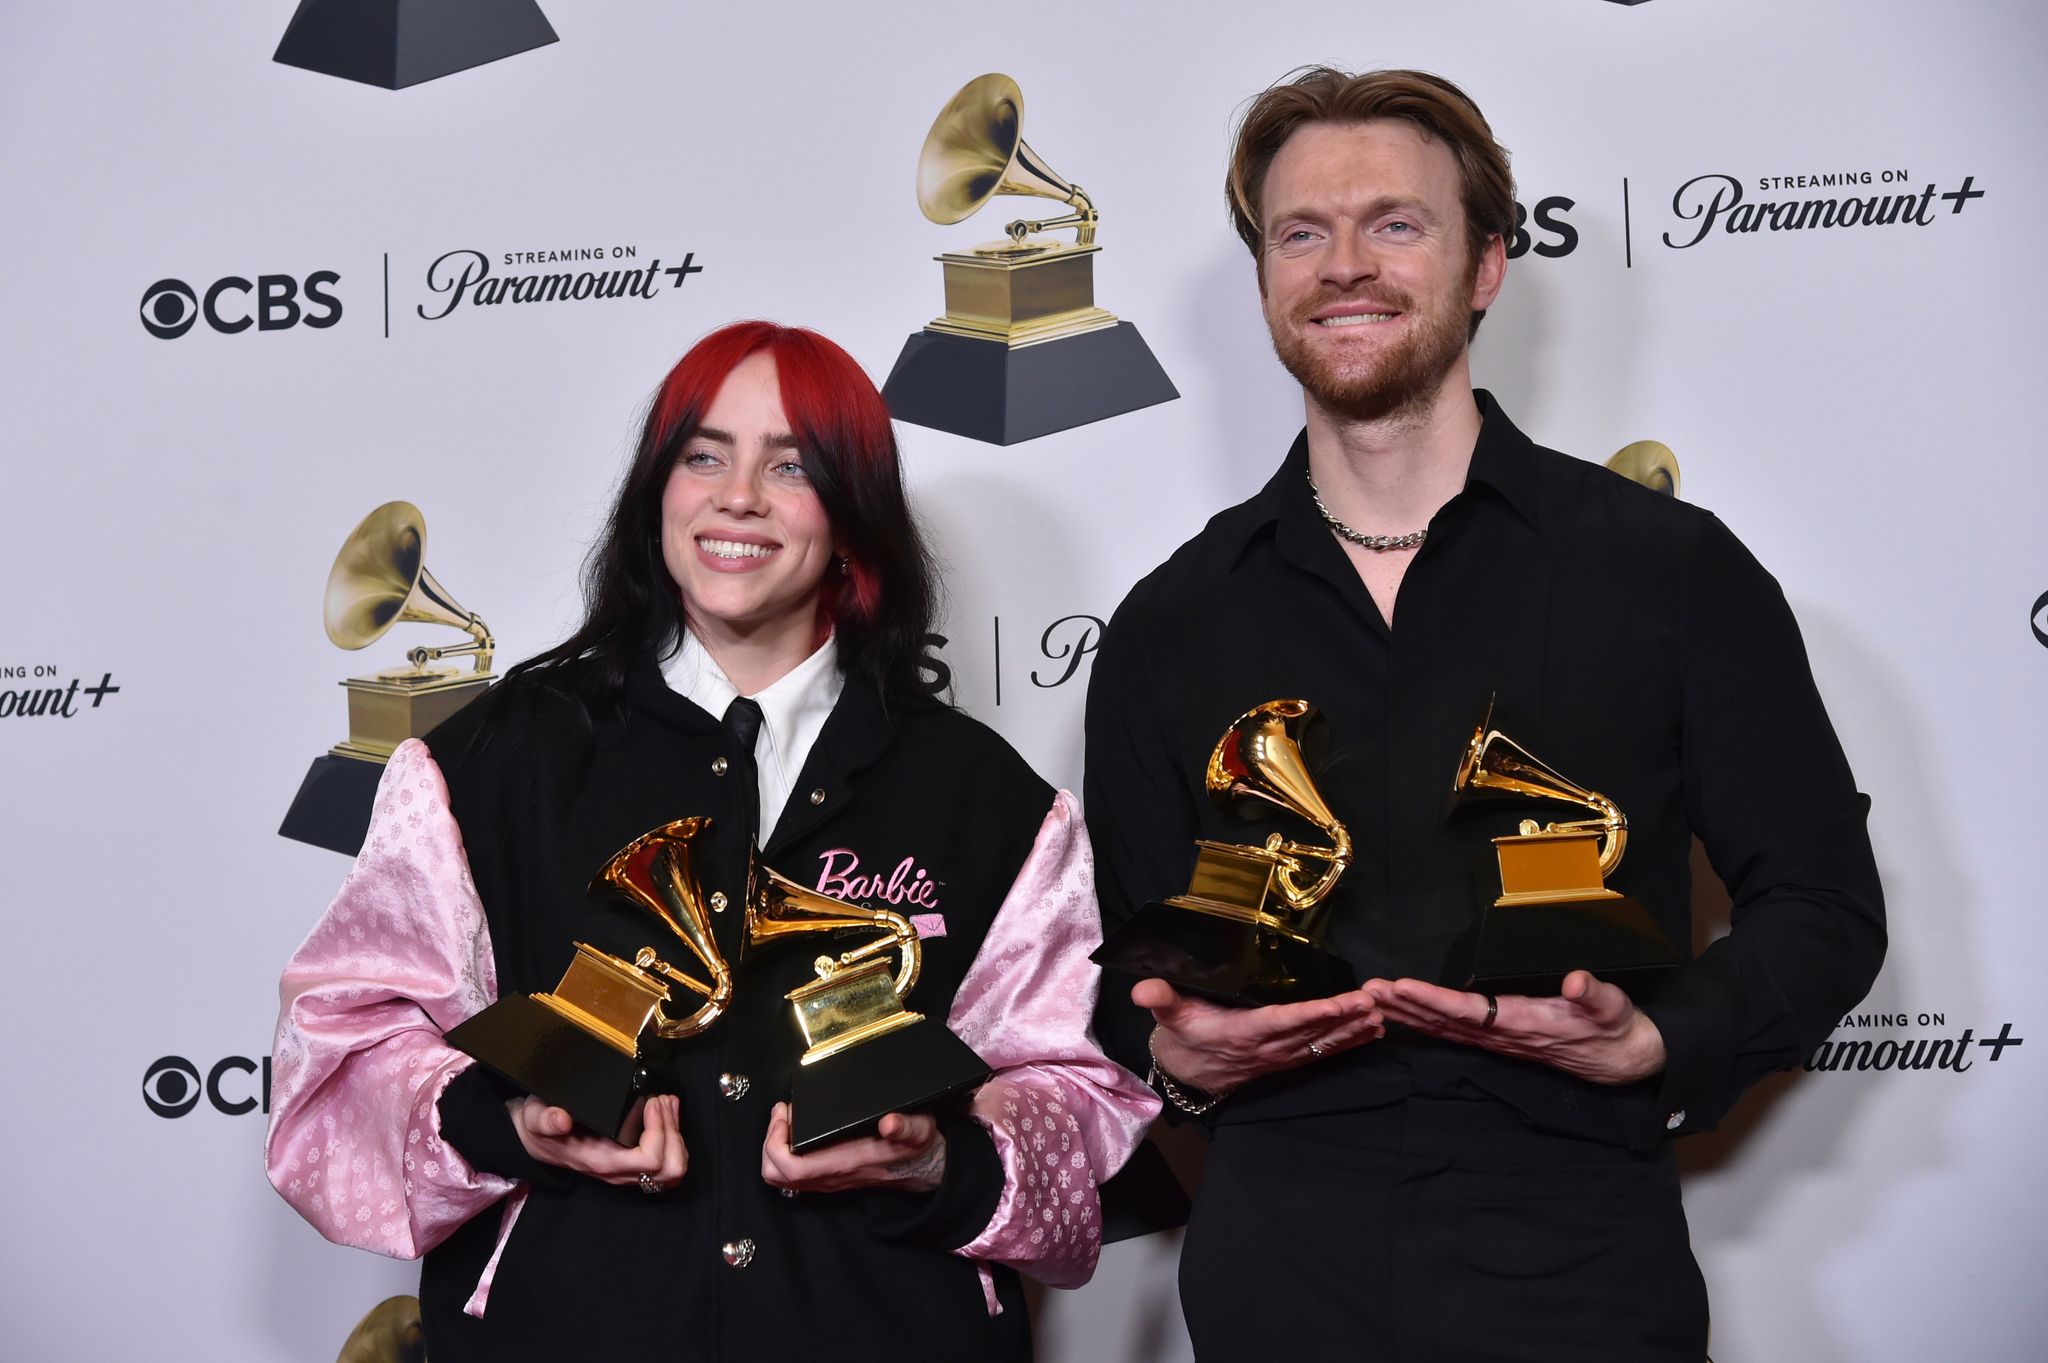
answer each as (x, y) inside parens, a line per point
(404, 42)
(986, 391)
(332, 808)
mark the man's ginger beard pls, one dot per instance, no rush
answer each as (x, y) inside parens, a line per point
(1402, 380)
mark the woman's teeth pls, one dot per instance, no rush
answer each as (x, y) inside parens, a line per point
(734, 549)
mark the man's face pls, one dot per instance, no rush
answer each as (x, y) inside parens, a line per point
(1367, 284)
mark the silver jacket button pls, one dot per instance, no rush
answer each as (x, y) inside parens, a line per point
(734, 1086)
(719, 766)
(1675, 1120)
(818, 796)
(739, 1253)
(718, 901)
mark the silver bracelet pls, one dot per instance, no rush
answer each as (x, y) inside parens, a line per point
(1175, 1094)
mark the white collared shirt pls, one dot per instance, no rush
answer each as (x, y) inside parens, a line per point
(794, 708)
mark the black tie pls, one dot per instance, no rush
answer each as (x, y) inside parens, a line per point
(743, 726)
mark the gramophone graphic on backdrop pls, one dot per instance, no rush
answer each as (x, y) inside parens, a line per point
(1022, 350)
(380, 579)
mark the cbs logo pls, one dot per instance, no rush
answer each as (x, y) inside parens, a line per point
(170, 308)
(172, 1086)
(1563, 237)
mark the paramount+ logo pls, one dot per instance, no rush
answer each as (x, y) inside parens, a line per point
(233, 1086)
(1915, 1041)
(232, 304)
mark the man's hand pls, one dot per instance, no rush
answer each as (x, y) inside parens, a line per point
(1590, 1029)
(1217, 1049)
(907, 1153)
(551, 1136)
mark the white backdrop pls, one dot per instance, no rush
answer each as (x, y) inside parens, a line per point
(1850, 400)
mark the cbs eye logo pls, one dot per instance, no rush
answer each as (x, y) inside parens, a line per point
(172, 1086)
(2038, 618)
(170, 307)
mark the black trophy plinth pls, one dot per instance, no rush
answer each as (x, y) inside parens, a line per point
(1230, 960)
(986, 391)
(404, 42)
(541, 1051)
(1530, 948)
(848, 1093)
(332, 808)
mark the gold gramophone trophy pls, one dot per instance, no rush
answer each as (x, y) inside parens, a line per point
(1250, 929)
(592, 1045)
(380, 579)
(1545, 909)
(1022, 349)
(865, 1055)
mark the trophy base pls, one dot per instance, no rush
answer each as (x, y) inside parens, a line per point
(988, 391)
(1530, 948)
(332, 808)
(550, 1057)
(385, 710)
(1021, 293)
(1225, 959)
(850, 1092)
(396, 45)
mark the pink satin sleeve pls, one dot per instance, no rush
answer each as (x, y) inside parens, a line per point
(402, 954)
(1063, 1116)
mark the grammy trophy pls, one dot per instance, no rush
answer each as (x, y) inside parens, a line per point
(592, 1046)
(1545, 909)
(1250, 929)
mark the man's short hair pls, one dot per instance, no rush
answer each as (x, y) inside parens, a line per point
(1323, 94)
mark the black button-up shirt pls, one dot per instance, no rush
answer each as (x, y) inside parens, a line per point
(1633, 645)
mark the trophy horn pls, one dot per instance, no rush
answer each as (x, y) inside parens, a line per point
(778, 907)
(976, 150)
(655, 872)
(380, 578)
(1494, 765)
(1649, 462)
(1263, 759)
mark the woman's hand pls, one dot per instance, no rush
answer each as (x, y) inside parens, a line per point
(906, 1153)
(656, 1163)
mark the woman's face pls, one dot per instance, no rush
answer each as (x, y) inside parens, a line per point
(742, 530)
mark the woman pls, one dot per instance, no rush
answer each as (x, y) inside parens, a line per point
(760, 547)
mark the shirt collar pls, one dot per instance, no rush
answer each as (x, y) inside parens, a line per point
(795, 703)
(1500, 463)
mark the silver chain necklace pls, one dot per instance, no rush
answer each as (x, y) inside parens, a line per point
(1377, 543)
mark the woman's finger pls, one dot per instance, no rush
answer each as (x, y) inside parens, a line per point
(775, 1147)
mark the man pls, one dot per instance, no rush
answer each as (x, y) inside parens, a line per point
(1411, 1170)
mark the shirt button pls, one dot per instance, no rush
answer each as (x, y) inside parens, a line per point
(734, 1086)
(718, 901)
(818, 796)
(1675, 1120)
(739, 1253)
(719, 766)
